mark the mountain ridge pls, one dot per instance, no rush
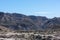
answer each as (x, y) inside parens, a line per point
(15, 21)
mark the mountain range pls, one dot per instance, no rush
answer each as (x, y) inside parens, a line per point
(17, 21)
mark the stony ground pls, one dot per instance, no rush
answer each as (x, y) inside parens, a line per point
(28, 36)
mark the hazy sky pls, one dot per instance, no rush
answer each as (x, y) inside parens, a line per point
(48, 8)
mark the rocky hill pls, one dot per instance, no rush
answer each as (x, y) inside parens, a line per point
(15, 21)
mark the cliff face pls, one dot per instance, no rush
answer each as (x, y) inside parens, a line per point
(17, 21)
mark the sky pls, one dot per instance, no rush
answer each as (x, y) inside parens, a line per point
(48, 8)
